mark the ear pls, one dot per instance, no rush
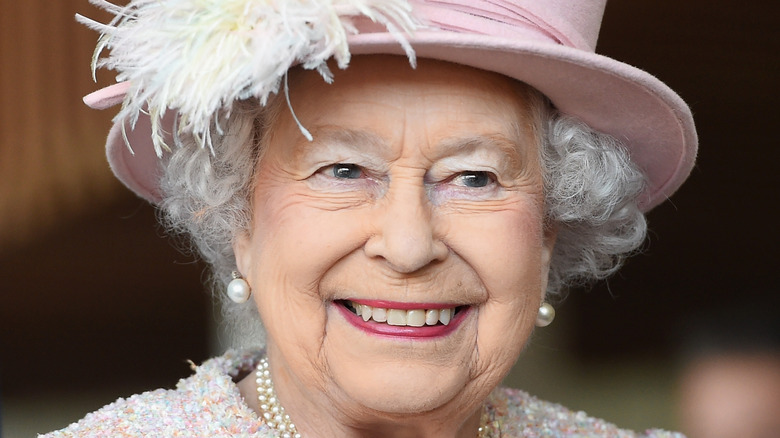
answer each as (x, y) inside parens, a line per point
(548, 245)
(241, 249)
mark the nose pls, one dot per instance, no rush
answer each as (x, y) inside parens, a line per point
(405, 237)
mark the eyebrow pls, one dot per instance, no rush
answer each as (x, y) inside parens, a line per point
(511, 149)
(351, 138)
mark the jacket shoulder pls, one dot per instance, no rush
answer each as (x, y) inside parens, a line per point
(206, 404)
(520, 414)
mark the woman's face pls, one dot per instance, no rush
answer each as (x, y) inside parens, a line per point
(419, 201)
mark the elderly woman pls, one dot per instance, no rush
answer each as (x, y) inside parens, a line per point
(398, 226)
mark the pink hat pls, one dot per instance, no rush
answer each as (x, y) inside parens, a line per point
(548, 44)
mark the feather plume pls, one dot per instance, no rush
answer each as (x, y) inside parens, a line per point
(197, 57)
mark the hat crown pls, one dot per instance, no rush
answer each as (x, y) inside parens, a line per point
(572, 23)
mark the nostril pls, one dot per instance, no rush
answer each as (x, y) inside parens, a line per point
(406, 255)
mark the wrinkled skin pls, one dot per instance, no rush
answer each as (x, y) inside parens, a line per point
(442, 203)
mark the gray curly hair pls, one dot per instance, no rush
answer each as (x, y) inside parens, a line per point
(591, 192)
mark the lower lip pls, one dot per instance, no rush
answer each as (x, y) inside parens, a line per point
(383, 329)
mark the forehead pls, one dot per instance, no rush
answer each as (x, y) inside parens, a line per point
(383, 95)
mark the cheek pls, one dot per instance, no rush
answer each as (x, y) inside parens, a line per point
(303, 238)
(503, 247)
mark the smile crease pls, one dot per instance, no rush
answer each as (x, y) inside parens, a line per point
(399, 317)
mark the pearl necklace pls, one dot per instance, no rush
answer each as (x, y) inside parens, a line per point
(273, 411)
(278, 420)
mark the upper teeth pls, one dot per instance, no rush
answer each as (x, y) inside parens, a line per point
(414, 317)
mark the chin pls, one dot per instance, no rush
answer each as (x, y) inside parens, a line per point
(397, 389)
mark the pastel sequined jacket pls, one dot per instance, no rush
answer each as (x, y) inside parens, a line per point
(208, 404)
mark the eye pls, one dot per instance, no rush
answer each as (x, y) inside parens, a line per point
(474, 179)
(346, 171)
(347, 178)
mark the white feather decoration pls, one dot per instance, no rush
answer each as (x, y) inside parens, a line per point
(197, 57)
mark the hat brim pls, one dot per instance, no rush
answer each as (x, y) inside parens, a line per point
(612, 97)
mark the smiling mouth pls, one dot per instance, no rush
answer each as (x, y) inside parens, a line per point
(402, 317)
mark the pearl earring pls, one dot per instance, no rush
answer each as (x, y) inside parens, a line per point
(238, 289)
(546, 315)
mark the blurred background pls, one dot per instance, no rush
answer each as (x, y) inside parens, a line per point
(96, 303)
